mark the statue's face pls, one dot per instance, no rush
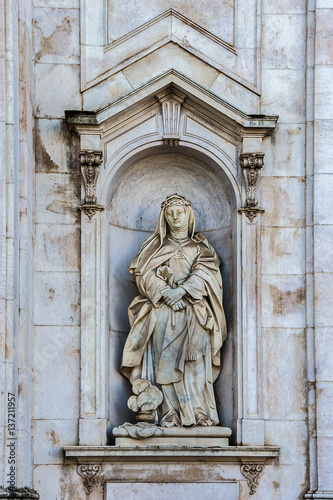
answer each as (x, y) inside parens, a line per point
(176, 216)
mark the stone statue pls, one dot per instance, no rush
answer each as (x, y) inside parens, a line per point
(177, 321)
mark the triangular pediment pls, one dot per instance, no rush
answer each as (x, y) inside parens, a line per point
(203, 101)
(112, 48)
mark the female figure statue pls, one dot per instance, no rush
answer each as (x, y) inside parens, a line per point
(177, 320)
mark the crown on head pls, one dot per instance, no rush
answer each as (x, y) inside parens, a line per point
(175, 199)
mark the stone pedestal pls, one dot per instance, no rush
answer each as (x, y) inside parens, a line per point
(177, 436)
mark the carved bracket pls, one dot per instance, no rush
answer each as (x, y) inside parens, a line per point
(171, 106)
(18, 493)
(89, 474)
(90, 167)
(90, 209)
(251, 164)
(252, 474)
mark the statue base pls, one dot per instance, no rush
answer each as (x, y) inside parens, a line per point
(131, 435)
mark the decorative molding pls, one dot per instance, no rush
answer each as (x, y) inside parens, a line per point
(171, 106)
(183, 19)
(319, 495)
(91, 209)
(251, 212)
(90, 167)
(18, 493)
(89, 474)
(251, 164)
(252, 473)
(215, 106)
(220, 454)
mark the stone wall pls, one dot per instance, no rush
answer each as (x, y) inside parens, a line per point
(250, 59)
(57, 260)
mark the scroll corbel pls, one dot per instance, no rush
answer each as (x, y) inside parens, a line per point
(90, 167)
(251, 164)
(252, 473)
(89, 474)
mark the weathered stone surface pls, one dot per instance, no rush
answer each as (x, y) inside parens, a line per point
(150, 491)
(325, 452)
(324, 98)
(283, 299)
(323, 236)
(49, 77)
(52, 155)
(283, 86)
(283, 201)
(57, 198)
(215, 16)
(322, 199)
(281, 33)
(281, 481)
(283, 250)
(50, 437)
(146, 183)
(64, 483)
(324, 342)
(292, 437)
(324, 146)
(284, 153)
(108, 91)
(323, 299)
(48, 50)
(64, 4)
(279, 364)
(231, 91)
(57, 391)
(57, 247)
(161, 59)
(324, 408)
(284, 7)
(57, 300)
(324, 38)
(57, 35)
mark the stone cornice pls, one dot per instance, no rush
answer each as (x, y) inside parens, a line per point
(214, 106)
(228, 454)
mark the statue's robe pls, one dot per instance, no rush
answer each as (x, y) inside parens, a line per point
(177, 351)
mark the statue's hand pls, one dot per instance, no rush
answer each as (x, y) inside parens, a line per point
(178, 306)
(174, 295)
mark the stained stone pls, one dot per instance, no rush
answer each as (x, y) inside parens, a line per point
(237, 77)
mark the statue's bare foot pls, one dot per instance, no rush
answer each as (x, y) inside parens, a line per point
(167, 424)
(207, 422)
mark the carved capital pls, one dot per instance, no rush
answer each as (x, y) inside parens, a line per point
(171, 106)
(89, 474)
(18, 493)
(252, 474)
(90, 166)
(251, 164)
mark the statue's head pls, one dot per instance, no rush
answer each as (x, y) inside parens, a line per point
(176, 211)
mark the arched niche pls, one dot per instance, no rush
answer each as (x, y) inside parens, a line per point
(133, 200)
(131, 137)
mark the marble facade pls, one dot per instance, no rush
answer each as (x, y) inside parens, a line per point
(80, 78)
